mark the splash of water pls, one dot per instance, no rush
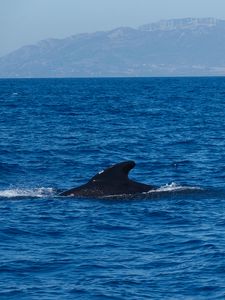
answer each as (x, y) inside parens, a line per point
(173, 187)
(35, 192)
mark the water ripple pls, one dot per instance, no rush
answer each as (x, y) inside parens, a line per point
(165, 244)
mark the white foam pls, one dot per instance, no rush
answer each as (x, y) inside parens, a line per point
(35, 192)
(173, 187)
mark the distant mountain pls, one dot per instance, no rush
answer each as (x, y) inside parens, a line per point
(176, 47)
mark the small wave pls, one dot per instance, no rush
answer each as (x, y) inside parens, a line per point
(35, 192)
(173, 187)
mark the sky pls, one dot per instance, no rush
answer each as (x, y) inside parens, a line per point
(24, 22)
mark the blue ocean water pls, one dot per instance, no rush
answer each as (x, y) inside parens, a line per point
(58, 133)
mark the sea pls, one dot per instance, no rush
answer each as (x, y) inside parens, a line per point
(169, 243)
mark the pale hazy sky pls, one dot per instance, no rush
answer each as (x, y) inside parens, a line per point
(28, 21)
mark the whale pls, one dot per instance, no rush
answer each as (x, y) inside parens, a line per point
(113, 181)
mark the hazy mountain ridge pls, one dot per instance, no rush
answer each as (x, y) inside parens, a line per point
(167, 48)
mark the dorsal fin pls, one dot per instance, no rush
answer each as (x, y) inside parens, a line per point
(118, 172)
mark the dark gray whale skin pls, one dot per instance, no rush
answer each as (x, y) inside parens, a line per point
(110, 182)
